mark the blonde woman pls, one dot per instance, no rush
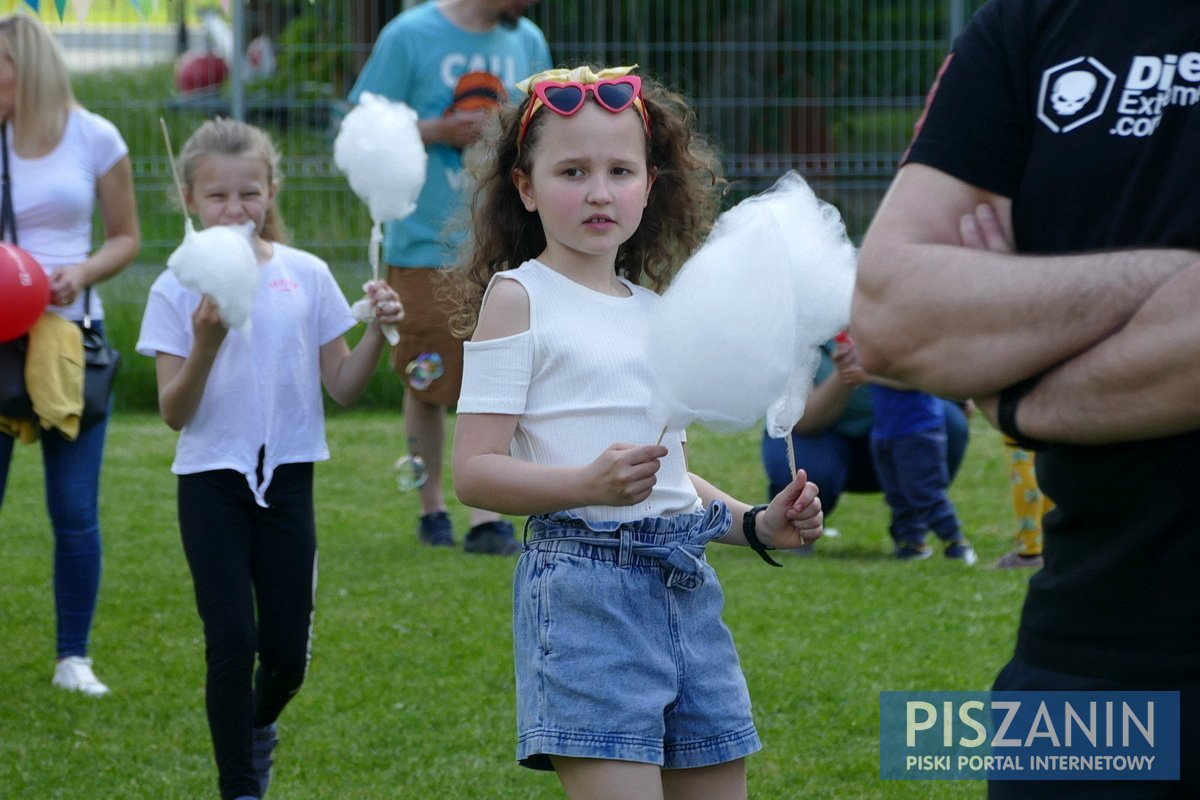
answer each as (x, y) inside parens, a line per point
(64, 162)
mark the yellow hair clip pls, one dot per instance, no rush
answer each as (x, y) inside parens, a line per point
(564, 92)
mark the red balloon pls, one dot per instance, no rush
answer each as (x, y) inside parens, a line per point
(198, 71)
(24, 291)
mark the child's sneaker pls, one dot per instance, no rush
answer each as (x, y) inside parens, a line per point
(436, 530)
(961, 551)
(912, 551)
(495, 538)
(74, 673)
(1015, 560)
(262, 756)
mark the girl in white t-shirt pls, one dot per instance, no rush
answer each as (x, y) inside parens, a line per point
(66, 167)
(249, 411)
(627, 680)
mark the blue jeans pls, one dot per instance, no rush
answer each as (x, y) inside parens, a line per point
(619, 646)
(838, 463)
(72, 479)
(912, 470)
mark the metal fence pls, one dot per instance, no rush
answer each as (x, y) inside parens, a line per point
(830, 88)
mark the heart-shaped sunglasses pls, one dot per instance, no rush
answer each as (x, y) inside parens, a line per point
(567, 97)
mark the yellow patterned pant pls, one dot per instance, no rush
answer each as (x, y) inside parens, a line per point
(1029, 504)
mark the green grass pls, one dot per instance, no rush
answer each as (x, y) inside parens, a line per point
(410, 691)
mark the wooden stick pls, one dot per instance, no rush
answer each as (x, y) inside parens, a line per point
(791, 454)
(174, 174)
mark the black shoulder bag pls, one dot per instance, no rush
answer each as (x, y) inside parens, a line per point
(100, 367)
(14, 400)
(100, 359)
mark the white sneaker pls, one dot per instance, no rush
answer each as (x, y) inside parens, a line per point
(74, 673)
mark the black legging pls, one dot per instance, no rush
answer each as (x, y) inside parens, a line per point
(242, 557)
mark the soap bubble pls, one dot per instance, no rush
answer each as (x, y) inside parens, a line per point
(423, 370)
(411, 473)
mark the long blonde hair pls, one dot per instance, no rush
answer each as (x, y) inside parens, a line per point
(227, 137)
(43, 92)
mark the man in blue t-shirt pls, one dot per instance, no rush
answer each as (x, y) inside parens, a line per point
(451, 61)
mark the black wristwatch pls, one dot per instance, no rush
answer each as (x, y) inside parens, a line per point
(750, 531)
(1006, 414)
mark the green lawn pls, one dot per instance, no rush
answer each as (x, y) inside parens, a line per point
(410, 690)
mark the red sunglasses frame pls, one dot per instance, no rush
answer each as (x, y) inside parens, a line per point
(539, 100)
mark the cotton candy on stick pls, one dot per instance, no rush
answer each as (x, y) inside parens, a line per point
(379, 148)
(738, 331)
(219, 261)
(822, 262)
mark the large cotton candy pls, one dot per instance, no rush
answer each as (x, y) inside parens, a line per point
(379, 149)
(220, 262)
(738, 330)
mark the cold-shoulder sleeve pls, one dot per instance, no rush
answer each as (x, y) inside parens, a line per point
(496, 375)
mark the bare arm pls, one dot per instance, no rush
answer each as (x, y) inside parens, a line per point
(457, 129)
(486, 476)
(1138, 383)
(345, 372)
(960, 322)
(825, 405)
(181, 380)
(122, 237)
(792, 519)
(852, 372)
(1141, 383)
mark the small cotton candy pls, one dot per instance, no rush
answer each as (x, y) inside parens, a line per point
(220, 262)
(379, 148)
(738, 330)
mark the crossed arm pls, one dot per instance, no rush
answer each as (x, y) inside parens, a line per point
(1111, 330)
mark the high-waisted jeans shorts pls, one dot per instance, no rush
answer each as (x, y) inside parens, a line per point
(621, 652)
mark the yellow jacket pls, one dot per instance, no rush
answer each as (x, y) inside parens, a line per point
(53, 378)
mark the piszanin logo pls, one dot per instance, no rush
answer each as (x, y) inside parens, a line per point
(1124, 736)
(1074, 93)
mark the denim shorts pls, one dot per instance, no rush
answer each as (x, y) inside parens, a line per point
(621, 652)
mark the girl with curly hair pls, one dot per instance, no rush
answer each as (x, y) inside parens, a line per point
(595, 189)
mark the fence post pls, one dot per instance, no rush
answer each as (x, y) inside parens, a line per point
(958, 18)
(237, 66)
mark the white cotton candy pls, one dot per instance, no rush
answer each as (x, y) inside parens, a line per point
(738, 331)
(379, 149)
(220, 262)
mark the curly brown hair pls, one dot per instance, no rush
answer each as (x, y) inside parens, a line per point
(502, 234)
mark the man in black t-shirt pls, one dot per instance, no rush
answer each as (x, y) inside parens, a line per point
(1068, 130)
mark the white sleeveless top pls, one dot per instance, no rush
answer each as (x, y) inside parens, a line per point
(579, 383)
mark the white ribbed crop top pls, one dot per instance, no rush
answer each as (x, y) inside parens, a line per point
(579, 383)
